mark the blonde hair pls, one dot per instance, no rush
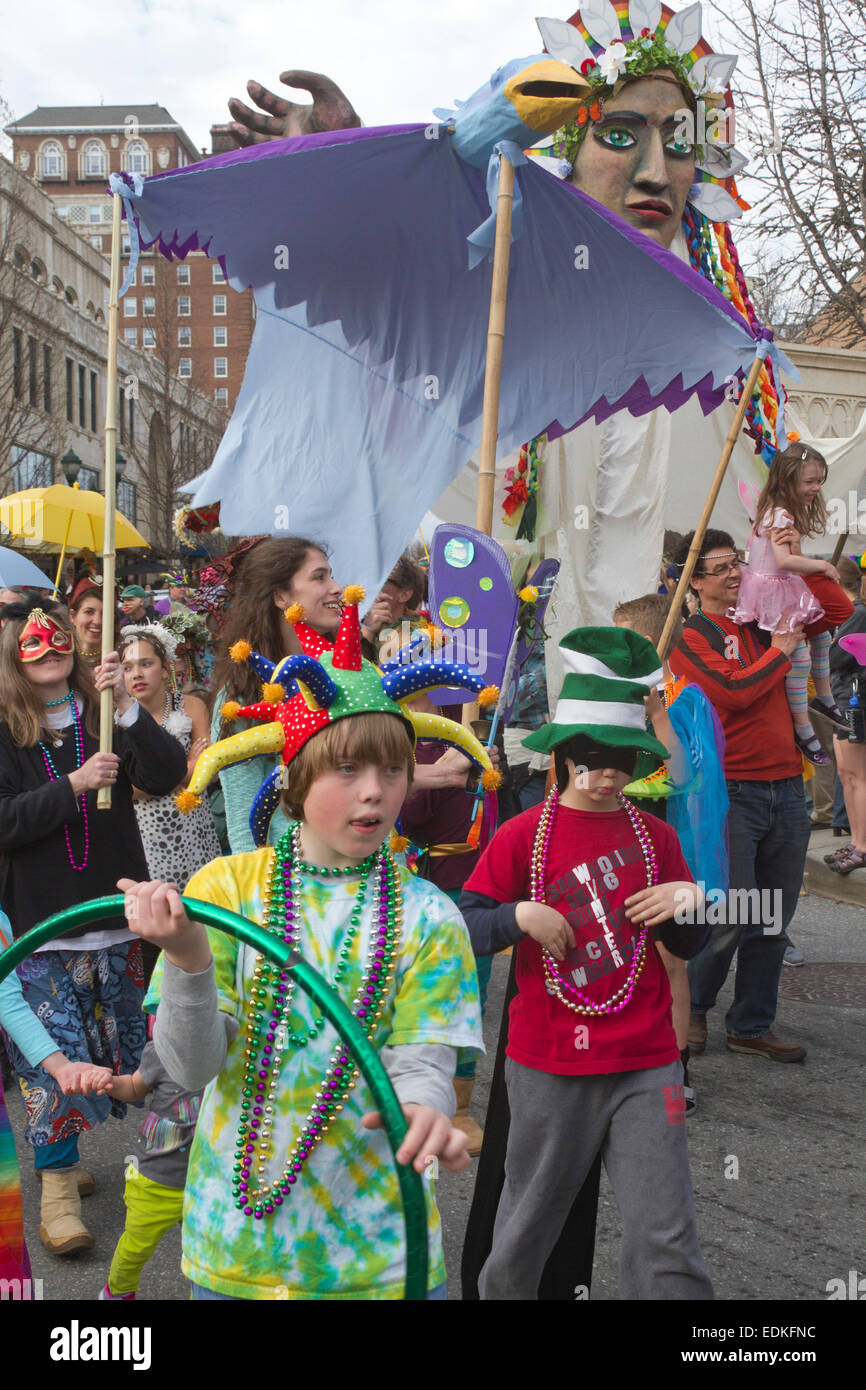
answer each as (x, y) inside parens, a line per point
(647, 616)
(21, 705)
(780, 490)
(376, 738)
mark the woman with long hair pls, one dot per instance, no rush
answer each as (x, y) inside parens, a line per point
(176, 845)
(56, 849)
(274, 574)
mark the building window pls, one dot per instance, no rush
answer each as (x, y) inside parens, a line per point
(183, 275)
(120, 420)
(218, 277)
(93, 161)
(95, 242)
(130, 307)
(126, 499)
(78, 213)
(125, 246)
(130, 335)
(219, 303)
(132, 278)
(148, 338)
(106, 212)
(82, 383)
(70, 390)
(221, 395)
(184, 337)
(148, 275)
(52, 160)
(131, 419)
(32, 371)
(221, 366)
(71, 297)
(137, 157)
(29, 469)
(94, 214)
(46, 378)
(62, 212)
(88, 480)
(17, 363)
(183, 306)
(93, 402)
(184, 366)
(149, 308)
(221, 336)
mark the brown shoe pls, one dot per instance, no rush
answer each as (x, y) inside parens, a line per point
(463, 1120)
(62, 1231)
(697, 1033)
(769, 1046)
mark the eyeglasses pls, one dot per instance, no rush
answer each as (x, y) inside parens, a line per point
(721, 570)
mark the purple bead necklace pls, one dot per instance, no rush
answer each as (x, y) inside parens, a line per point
(555, 980)
(54, 776)
(268, 1032)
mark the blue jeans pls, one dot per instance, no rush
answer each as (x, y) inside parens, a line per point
(769, 836)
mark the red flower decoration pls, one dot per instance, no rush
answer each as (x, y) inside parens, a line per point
(586, 65)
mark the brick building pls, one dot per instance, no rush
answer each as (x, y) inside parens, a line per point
(183, 314)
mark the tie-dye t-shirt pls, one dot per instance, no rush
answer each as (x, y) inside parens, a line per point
(340, 1234)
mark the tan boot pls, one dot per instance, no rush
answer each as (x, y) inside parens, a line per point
(62, 1230)
(86, 1184)
(463, 1120)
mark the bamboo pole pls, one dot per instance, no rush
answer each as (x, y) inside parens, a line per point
(106, 701)
(840, 546)
(701, 529)
(495, 341)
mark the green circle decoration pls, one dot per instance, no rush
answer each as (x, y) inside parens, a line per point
(332, 1006)
(453, 612)
(459, 553)
(485, 583)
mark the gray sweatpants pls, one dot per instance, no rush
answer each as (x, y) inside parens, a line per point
(558, 1125)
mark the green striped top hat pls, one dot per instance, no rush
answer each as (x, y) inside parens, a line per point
(608, 673)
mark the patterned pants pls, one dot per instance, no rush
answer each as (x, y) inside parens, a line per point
(90, 1003)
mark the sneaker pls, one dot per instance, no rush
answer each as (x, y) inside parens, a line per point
(811, 749)
(656, 786)
(691, 1100)
(768, 1046)
(697, 1038)
(106, 1294)
(793, 955)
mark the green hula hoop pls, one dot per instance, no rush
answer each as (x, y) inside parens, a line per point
(332, 1006)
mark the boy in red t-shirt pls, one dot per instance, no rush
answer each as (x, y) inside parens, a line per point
(583, 885)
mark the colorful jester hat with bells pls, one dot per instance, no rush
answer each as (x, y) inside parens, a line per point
(304, 694)
(609, 43)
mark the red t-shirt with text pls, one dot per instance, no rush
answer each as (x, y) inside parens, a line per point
(594, 864)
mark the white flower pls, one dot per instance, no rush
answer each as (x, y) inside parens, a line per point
(612, 62)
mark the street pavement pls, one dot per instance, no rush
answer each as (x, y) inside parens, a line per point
(776, 1150)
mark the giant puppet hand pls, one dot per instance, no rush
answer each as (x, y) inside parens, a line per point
(331, 110)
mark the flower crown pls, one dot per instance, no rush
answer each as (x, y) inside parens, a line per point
(613, 44)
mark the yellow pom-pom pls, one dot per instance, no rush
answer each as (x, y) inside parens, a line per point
(187, 801)
(294, 613)
(397, 843)
(436, 635)
(354, 593)
(491, 779)
(488, 696)
(273, 692)
(240, 651)
(529, 594)
(230, 710)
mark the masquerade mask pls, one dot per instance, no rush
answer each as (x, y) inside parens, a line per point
(594, 756)
(42, 635)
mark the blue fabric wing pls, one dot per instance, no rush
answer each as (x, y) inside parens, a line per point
(363, 388)
(698, 811)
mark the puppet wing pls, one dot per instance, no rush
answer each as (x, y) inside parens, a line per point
(364, 383)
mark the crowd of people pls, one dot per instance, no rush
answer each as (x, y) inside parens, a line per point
(641, 790)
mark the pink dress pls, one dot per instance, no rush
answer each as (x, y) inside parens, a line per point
(775, 599)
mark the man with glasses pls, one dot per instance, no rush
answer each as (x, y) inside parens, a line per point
(743, 675)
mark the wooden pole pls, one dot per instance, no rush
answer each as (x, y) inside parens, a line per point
(840, 546)
(106, 701)
(495, 341)
(701, 529)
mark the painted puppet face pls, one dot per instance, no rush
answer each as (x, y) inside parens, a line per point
(632, 162)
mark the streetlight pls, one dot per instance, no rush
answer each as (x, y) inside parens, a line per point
(71, 465)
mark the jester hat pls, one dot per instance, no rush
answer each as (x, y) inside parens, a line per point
(301, 695)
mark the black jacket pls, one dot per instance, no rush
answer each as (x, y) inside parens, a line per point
(36, 877)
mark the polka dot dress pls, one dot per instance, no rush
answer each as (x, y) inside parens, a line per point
(176, 846)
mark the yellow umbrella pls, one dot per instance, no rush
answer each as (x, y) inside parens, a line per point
(64, 516)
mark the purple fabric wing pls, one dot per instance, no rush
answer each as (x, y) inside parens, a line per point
(472, 600)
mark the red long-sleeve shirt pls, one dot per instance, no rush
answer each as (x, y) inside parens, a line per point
(750, 700)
